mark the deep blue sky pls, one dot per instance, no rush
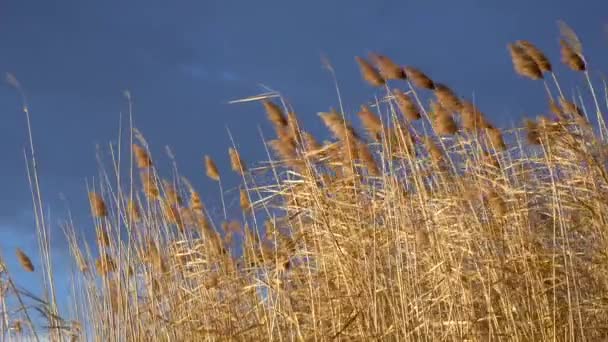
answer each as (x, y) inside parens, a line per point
(183, 60)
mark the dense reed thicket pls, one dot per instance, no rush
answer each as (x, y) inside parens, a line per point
(424, 221)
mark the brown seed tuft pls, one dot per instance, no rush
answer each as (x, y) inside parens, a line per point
(496, 140)
(443, 122)
(104, 265)
(236, 162)
(149, 185)
(523, 63)
(570, 107)
(103, 239)
(339, 127)
(407, 107)
(538, 56)
(134, 212)
(571, 58)
(244, 201)
(24, 260)
(142, 159)
(368, 159)
(371, 122)
(434, 150)
(369, 73)
(275, 114)
(418, 78)
(171, 193)
(388, 69)
(447, 98)
(98, 206)
(310, 142)
(471, 118)
(532, 132)
(211, 169)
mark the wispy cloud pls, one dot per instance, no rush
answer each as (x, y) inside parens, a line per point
(201, 72)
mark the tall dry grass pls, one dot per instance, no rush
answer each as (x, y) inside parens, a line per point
(435, 225)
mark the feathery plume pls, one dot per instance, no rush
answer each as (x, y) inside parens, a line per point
(211, 169)
(105, 264)
(418, 78)
(142, 159)
(443, 122)
(471, 118)
(24, 260)
(134, 212)
(523, 63)
(571, 58)
(369, 73)
(339, 127)
(495, 136)
(433, 149)
(368, 159)
(244, 200)
(235, 161)
(370, 122)
(407, 107)
(447, 98)
(532, 132)
(538, 56)
(388, 69)
(171, 193)
(275, 114)
(103, 239)
(149, 185)
(98, 206)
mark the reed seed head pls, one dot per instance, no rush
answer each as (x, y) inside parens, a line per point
(447, 98)
(538, 56)
(24, 260)
(98, 206)
(496, 140)
(418, 78)
(523, 63)
(369, 73)
(371, 122)
(244, 201)
(275, 114)
(571, 58)
(236, 162)
(134, 212)
(389, 70)
(142, 159)
(211, 169)
(406, 105)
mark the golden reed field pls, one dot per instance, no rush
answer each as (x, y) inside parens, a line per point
(419, 221)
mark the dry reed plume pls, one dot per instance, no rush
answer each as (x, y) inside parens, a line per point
(434, 225)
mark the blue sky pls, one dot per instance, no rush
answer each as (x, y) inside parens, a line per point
(183, 60)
